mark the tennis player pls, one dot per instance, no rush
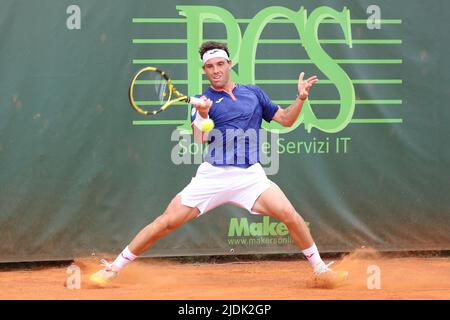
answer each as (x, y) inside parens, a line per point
(231, 175)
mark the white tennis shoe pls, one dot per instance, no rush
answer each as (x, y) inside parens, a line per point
(106, 275)
(325, 277)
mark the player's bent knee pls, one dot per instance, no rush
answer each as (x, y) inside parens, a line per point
(172, 220)
(175, 215)
(289, 216)
(160, 224)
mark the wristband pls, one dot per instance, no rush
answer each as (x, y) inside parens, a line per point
(198, 120)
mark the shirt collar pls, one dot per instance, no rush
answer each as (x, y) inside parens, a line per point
(236, 85)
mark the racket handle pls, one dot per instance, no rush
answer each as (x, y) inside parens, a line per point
(195, 100)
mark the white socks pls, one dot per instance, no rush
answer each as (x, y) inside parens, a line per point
(313, 256)
(311, 253)
(124, 258)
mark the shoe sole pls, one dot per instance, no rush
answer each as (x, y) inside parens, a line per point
(98, 280)
(328, 280)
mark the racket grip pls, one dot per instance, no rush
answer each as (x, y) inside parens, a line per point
(195, 100)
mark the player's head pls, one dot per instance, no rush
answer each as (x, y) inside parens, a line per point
(216, 63)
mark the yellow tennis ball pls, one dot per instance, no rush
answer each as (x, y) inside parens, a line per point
(207, 125)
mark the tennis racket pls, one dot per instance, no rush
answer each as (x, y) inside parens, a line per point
(161, 92)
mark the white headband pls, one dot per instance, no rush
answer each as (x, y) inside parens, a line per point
(214, 53)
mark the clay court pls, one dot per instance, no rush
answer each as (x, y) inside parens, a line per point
(281, 279)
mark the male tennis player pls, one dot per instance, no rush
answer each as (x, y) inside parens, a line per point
(231, 175)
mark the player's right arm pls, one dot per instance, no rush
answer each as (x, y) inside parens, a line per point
(201, 111)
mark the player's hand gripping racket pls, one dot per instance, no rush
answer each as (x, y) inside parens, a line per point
(161, 92)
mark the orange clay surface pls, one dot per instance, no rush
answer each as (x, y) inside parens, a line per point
(400, 278)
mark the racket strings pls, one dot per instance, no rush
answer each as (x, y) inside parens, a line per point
(163, 93)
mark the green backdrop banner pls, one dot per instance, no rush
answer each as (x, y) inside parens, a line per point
(366, 164)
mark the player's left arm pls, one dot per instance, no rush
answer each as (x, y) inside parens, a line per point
(286, 117)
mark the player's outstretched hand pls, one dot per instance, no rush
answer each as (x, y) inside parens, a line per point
(305, 85)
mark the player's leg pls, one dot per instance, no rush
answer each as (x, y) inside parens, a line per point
(175, 215)
(273, 202)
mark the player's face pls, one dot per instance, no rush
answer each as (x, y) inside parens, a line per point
(218, 71)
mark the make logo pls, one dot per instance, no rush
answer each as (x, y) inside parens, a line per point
(242, 228)
(242, 233)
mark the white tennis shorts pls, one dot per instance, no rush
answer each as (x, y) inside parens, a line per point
(213, 186)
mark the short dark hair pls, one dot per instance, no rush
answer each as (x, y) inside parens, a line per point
(209, 45)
